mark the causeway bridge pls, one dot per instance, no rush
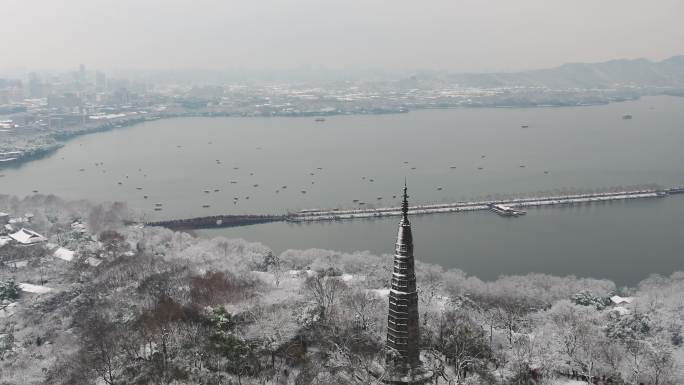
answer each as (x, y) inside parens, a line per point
(315, 215)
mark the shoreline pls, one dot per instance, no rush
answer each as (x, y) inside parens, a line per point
(62, 137)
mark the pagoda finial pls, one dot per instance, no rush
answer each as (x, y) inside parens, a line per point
(404, 203)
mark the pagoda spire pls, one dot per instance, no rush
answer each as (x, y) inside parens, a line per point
(404, 204)
(403, 365)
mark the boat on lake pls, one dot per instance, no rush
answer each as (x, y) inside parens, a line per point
(506, 211)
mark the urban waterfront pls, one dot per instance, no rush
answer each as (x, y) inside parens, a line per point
(447, 155)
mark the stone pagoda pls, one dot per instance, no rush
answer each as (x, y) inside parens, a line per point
(403, 364)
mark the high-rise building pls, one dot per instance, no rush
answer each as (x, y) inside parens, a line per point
(100, 81)
(35, 86)
(403, 365)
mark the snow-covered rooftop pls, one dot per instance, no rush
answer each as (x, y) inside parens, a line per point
(92, 261)
(64, 254)
(35, 289)
(617, 300)
(27, 237)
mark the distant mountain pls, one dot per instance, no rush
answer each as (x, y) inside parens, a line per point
(613, 73)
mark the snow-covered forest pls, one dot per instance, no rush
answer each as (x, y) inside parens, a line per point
(137, 305)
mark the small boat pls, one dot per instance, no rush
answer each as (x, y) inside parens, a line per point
(216, 190)
(119, 183)
(320, 119)
(546, 172)
(483, 156)
(363, 177)
(145, 197)
(379, 198)
(480, 168)
(303, 191)
(35, 191)
(627, 116)
(83, 169)
(312, 174)
(362, 203)
(394, 197)
(413, 168)
(355, 201)
(138, 188)
(233, 182)
(236, 168)
(157, 209)
(207, 191)
(371, 180)
(235, 198)
(506, 211)
(283, 187)
(452, 167)
(206, 206)
(319, 168)
(251, 174)
(522, 166)
(256, 185)
(405, 162)
(439, 189)
(312, 182)
(524, 126)
(158, 204)
(277, 191)
(247, 198)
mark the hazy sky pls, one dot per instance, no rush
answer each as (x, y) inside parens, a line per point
(456, 35)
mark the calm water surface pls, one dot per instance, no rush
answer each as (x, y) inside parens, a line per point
(175, 161)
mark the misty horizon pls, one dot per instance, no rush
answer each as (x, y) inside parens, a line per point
(462, 37)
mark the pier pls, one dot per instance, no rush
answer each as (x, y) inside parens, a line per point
(513, 206)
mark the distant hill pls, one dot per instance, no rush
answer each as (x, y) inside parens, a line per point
(613, 73)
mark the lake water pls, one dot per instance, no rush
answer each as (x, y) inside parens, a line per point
(175, 161)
